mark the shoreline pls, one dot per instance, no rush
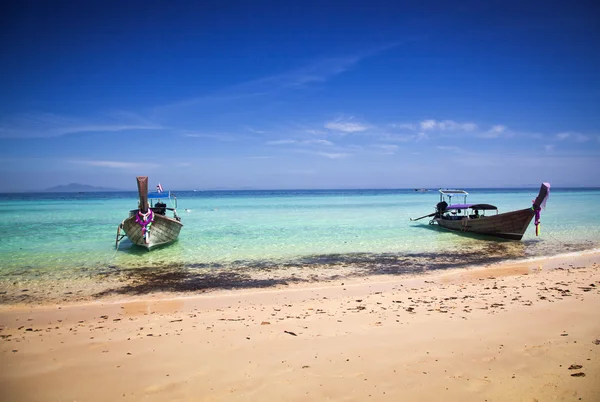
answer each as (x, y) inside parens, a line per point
(451, 275)
(148, 282)
(501, 332)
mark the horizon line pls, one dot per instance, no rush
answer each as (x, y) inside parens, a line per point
(304, 189)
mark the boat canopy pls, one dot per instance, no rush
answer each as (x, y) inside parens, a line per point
(481, 207)
(156, 195)
(453, 192)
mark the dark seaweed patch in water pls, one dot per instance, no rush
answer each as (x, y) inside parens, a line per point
(247, 274)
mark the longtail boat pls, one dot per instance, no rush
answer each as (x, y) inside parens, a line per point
(464, 217)
(149, 226)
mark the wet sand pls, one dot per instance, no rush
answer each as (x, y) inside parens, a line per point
(527, 331)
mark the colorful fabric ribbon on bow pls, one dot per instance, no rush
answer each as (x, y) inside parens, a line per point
(145, 221)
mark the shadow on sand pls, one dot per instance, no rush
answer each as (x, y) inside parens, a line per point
(262, 274)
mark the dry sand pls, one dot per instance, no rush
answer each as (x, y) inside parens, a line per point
(525, 331)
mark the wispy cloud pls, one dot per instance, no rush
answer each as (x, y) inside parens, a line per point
(386, 149)
(346, 125)
(315, 132)
(318, 142)
(281, 142)
(216, 137)
(443, 127)
(252, 130)
(404, 137)
(405, 126)
(334, 155)
(43, 125)
(398, 138)
(450, 148)
(446, 125)
(494, 132)
(299, 142)
(116, 164)
(577, 137)
(421, 137)
(319, 71)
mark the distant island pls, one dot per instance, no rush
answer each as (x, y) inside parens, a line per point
(76, 188)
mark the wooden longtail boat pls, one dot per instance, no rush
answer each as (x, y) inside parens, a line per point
(465, 217)
(149, 226)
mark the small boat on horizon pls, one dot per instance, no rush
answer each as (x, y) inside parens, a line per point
(421, 190)
(464, 217)
(149, 226)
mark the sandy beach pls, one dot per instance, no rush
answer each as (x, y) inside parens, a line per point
(527, 331)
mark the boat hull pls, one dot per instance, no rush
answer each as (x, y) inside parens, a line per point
(509, 225)
(164, 230)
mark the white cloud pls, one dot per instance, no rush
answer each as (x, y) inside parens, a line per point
(305, 142)
(498, 129)
(428, 124)
(318, 142)
(549, 148)
(446, 125)
(468, 126)
(346, 126)
(334, 155)
(406, 126)
(494, 132)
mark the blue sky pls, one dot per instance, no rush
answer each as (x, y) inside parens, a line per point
(287, 95)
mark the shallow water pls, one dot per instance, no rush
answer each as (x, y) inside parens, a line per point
(66, 238)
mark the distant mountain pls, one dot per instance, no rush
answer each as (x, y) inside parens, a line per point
(76, 187)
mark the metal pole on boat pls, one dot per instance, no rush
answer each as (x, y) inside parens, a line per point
(425, 216)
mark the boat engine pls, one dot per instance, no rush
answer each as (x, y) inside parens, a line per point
(160, 208)
(441, 208)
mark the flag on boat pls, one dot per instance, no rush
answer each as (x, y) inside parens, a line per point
(159, 188)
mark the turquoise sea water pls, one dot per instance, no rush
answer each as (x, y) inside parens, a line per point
(51, 236)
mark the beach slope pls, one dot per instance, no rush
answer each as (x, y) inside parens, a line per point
(519, 332)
